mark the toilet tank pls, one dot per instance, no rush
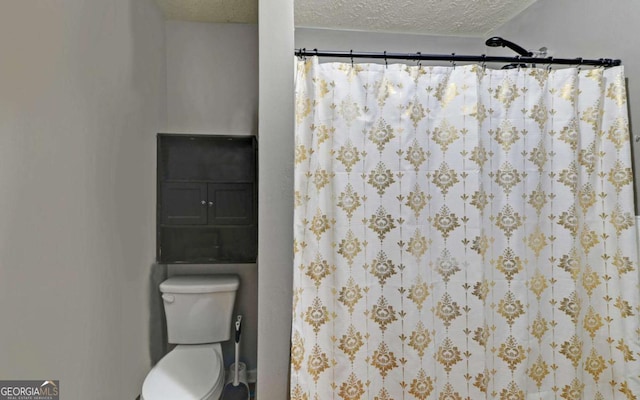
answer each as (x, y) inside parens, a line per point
(199, 307)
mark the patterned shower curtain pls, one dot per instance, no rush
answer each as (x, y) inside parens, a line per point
(463, 233)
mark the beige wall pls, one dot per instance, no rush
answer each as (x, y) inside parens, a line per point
(82, 94)
(212, 78)
(275, 197)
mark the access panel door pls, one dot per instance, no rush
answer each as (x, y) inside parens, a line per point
(184, 203)
(231, 204)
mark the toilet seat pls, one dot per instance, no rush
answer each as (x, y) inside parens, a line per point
(188, 372)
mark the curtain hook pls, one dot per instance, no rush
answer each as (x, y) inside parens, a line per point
(453, 60)
(484, 63)
(418, 58)
(386, 63)
(351, 53)
(316, 50)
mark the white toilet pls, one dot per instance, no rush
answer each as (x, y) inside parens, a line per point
(199, 310)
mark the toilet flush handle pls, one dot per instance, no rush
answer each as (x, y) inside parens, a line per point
(168, 298)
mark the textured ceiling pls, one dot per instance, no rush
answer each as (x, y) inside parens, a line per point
(436, 17)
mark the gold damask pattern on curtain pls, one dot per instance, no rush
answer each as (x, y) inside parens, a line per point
(463, 233)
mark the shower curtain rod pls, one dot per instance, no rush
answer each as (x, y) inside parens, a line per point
(453, 57)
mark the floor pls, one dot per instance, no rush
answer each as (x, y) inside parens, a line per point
(252, 391)
(233, 395)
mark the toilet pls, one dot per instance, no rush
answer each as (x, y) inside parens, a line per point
(199, 309)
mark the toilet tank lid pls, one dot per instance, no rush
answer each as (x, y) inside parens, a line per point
(200, 284)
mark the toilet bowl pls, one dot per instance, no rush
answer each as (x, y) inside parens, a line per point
(198, 313)
(188, 372)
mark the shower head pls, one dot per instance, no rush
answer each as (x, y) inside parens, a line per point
(497, 41)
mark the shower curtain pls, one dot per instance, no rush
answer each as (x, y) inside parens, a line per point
(463, 233)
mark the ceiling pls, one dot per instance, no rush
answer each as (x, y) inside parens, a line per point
(434, 17)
